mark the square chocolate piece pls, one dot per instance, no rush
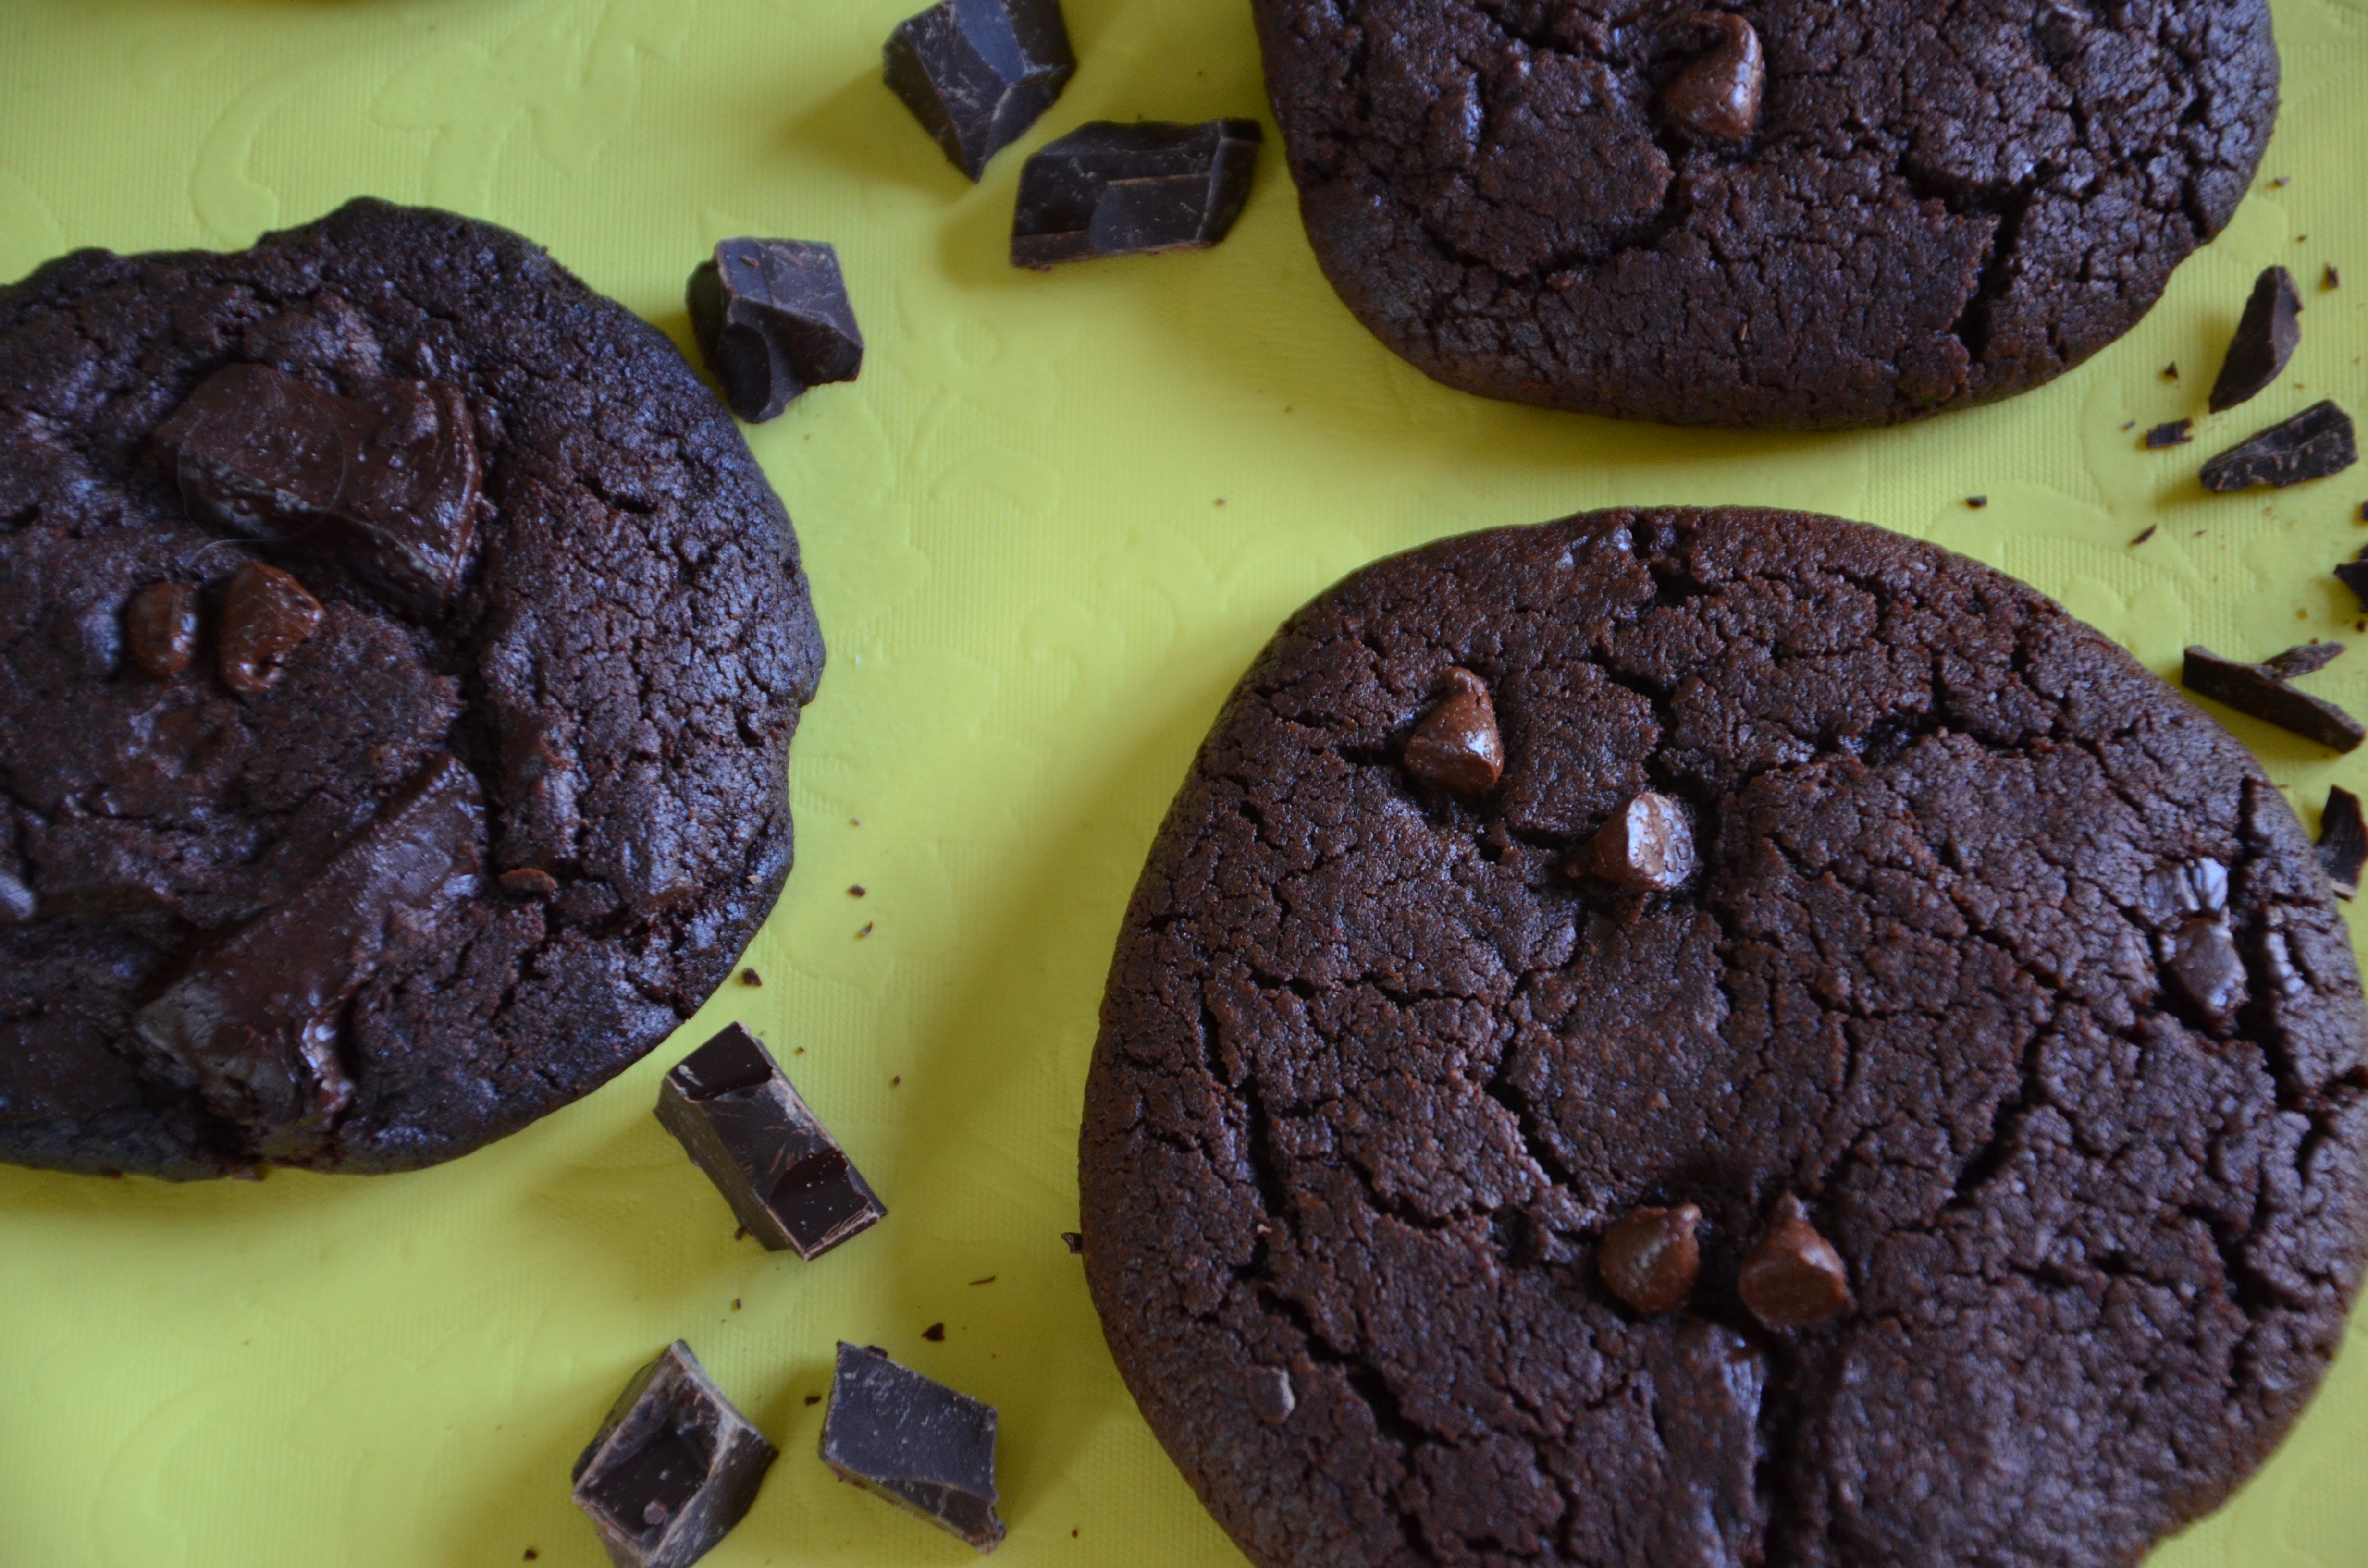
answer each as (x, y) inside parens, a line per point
(772, 319)
(787, 1179)
(672, 1469)
(976, 74)
(913, 1441)
(1108, 188)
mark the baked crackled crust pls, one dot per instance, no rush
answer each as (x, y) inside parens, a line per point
(618, 675)
(1376, 1072)
(1938, 205)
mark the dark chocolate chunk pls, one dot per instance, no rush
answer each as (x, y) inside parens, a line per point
(2202, 958)
(978, 73)
(935, 1333)
(1793, 1278)
(913, 1441)
(1718, 96)
(787, 1179)
(2312, 445)
(1648, 844)
(266, 615)
(2342, 841)
(1112, 190)
(2307, 658)
(1456, 745)
(1650, 1258)
(2265, 339)
(2258, 692)
(2177, 433)
(672, 1469)
(772, 319)
(255, 1021)
(393, 473)
(1271, 1394)
(161, 629)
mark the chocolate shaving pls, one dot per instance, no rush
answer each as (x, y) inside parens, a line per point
(2265, 340)
(2314, 444)
(2259, 691)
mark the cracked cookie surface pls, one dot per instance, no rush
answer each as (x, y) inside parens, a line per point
(1377, 1072)
(1934, 206)
(482, 801)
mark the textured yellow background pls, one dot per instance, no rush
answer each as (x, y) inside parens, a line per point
(1047, 528)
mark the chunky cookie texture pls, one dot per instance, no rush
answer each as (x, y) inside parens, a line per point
(1774, 214)
(2019, 1231)
(399, 656)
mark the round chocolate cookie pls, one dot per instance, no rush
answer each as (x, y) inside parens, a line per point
(399, 654)
(1720, 1037)
(1790, 213)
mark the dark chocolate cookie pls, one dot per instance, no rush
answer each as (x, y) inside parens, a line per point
(1876, 1079)
(399, 654)
(1798, 215)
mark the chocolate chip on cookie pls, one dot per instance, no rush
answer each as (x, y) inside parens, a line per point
(1651, 1258)
(1793, 1278)
(161, 629)
(266, 615)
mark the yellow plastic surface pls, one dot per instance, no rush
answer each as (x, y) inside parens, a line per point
(1047, 529)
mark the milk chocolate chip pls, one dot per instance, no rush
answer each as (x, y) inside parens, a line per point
(1456, 745)
(162, 628)
(1718, 95)
(1793, 1278)
(1651, 1258)
(1648, 846)
(266, 615)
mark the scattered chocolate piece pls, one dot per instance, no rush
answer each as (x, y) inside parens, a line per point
(2176, 433)
(913, 1441)
(2146, 533)
(749, 977)
(1718, 95)
(1075, 1241)
(1648, 846)
(2333, 280)
(529, 881)
(161, 629)
(2265, 340)
(393, 472)
(2342, 841)
(813, 1398)
(672, 1469)
(1272, 1397)
(1793, 1278)
(2203, 960)
(935, 1333)
(785, 1177)
(1108, 188)
(988, 1280)
(2283, 181)
(2312, 445)
(2307, 659)
(2171, 371)
(772, 319)
(2258, 691)
(255, 1020)
(1456, 745)
(976, 74)
(1977, 502)
(2354, 575)
(855, 891)
(1651, 1258)
(866, 931)
(266, 615)
(531, 1554)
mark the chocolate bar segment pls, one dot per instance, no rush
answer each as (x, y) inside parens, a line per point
(913, 1441)
(976, 74)
(2342, 841)
(2266, 338)
(772, 319)
(1112, 190)
(2259, 691)
(2314, 444)
(672, 1469)
(788, 1182)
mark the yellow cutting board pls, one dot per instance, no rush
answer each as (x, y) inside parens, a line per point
(1047, 529)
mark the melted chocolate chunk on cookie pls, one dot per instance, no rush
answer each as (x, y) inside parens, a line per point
(1108, 188)
(161, 629)
(266, 615)
(2266, 338)
(1718, 96)
(1650, 1257)
(772, 319)
(2261, 691)
(1793, 1278)
(2342, 841)
(921, 1445)
(2315, 444)
(2202, 960)
(976, 74)
(1457, 746)
(673, 1468)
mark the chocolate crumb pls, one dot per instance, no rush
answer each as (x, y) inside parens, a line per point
(934, 1333)
(1793, 1278)
(2281, 181)
(899, 1078)
(2146, 533)
(1075, 1241)
(2129, 424)
(2176, 433)
(2333, 280)
(2171, 371)
(531, 1554)
(855, 891)
(740, 1232)
(988, 1280)
(2260, 692)
(2342, 841)
(813, 1398)
(735, 1304)
(865, 932)
(750, 977)
(1977, 502)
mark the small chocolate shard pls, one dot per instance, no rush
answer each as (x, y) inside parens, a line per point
(935, 1334)
(1108, 188)
(1718, 96)
(1648, 846)
(1793, 1278)
(913, 1441)
(255, 1020)
(976, 74)
(2334, 278)
(2202, 958)
(772, 319)
(2354, 575)
(1651, 1258)
(529, 881)
(673, 1468)
(1977, 502)
(2342, 841)
(2145, 534)
(1075, 1241)
(788, 1182)
(2314, 444)
(266, 615)
(2266, 338)
(2259, 691)
(161, 629)
(2305, 659)
(1457, 746)
(2176, 433)
(1270, 1395)
(749, 977)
